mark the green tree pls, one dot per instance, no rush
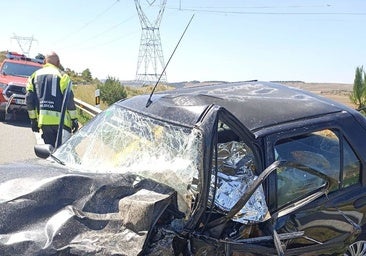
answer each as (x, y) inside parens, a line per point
(74, 76)
(40, 56)
(86, 75)
(112, 90)
(2, 55)
(71, 73)
(358, 94)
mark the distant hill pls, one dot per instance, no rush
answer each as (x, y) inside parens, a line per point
(320, 88)
(336, 91)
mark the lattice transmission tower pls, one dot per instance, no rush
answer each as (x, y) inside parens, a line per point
(25, 43)
(150, 64)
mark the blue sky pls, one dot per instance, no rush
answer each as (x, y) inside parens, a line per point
(232, 40)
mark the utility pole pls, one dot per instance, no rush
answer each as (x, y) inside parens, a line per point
(150, 62)
(25, 43)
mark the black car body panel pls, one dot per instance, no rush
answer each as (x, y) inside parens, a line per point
(246, 168)
(252, 103)
(54, 211)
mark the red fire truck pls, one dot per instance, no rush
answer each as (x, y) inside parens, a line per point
(14, 72)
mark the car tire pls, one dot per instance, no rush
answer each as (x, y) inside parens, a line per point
(358, 248)
(2, 115)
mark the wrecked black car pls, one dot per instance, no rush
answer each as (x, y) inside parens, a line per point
(247, 168)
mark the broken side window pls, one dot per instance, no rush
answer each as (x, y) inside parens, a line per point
(234, 167)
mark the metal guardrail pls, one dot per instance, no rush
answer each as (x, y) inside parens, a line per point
(87, 108)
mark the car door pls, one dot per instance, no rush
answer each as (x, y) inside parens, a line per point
(237, 218)
(331, 221)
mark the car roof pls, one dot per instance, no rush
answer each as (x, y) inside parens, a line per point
(27, 62)
(255, 104)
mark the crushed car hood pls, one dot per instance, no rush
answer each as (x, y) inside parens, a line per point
(47, 209)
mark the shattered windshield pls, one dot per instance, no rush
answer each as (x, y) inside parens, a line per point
(122, 141)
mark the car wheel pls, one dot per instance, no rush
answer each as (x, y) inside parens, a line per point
(357, 249)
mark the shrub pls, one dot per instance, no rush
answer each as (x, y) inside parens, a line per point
(112, 90)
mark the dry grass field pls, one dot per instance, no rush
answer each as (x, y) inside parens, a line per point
(335, 91)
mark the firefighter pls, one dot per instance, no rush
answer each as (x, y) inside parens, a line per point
(44, 98)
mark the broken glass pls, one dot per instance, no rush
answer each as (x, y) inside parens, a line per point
(235, 172)
(123, 141)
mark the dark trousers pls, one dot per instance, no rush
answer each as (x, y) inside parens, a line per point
(49, 134)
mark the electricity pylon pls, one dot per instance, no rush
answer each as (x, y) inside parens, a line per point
(150, 64)
(25, 43)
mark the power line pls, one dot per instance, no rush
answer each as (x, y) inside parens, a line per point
(270, 13)
(112, 27)
(259, 7)
(98, 15)
(95, 46)
(239, 10)
(102, 33)
(88, 22)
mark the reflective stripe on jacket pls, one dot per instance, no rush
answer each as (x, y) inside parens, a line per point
(45, 92)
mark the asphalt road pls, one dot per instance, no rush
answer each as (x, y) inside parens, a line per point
(16, 140)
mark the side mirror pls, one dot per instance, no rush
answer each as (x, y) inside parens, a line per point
(43, 150)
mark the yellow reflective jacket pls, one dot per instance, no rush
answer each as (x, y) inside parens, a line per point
(45, 93)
